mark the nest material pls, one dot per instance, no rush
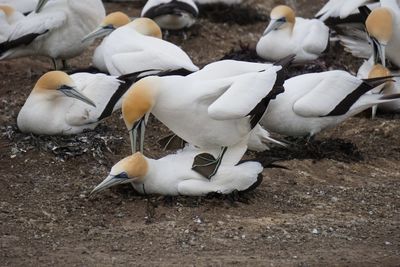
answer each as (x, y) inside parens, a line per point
(232, 14)
(96, 143)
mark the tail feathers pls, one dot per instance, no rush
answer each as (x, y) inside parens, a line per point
(388, 98)
(272, 140)
(370, 100)
(286, 61)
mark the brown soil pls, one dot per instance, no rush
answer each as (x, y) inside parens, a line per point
(336, 204)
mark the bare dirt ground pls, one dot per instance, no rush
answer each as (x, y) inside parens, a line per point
(337, 205)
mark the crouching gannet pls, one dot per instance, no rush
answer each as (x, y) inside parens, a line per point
(55, 32)
(131, 48)
(287, 34)
(113, 21)
(172, 175)
(63, 104)
(209, 114)
(171, 14)
(22, 6)
(316, 101)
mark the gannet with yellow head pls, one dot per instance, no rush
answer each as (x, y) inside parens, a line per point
(113, 21)
(172, 175)
(68, 104)
(171, 14)
(137, 46)
(208, 113)
(287, 34)
(54, 30)
(8, 18)
(22, 6)
(317, 101)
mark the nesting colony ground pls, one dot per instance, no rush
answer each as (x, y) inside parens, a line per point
(337, 204)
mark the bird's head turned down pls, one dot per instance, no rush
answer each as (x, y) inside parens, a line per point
(139, 101)
(115, 20)
(131, 169)
(379, 25)
(134, 166)
(147, 27)
(59, 84)
(7, 10)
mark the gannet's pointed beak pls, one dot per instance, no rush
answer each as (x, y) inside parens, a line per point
(72, 92)
(382, 54)
(138, 126)
(40, 5)
(273, 25)
(110, 181)
(98, 33)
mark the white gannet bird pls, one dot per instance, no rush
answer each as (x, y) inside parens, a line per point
(370, 71)
(111, 22)
(23, 6)
(63, 104)
(56, 31)
(209, 114)
(171, 14)
(342, 9)
(383, 35)
(316, 101)
(128, 50)
(172, 175)
(287, 34)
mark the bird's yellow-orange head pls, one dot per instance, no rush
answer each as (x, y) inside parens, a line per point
(379, 25)
(139, 101)
(116, 20)
(147, 27)
(8, 11)
(283, 11)
(135, 166)
(53, 80)
(379, 71)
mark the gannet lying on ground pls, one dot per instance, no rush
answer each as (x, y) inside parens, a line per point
(316, 101)
(56, 31)
(287, 34)
(111, 22)
(63, 104)
(209, 114)
(171, 14)
(172, 175)
(128, 50)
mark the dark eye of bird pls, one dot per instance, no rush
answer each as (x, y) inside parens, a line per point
(123, 175)
(282, 20)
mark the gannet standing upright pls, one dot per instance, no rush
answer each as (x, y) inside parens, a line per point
(172, 175)
(56, 31)
(171, 14)
(128, 50)
(111, 22)
(209, 114)
(316, 101)
(287, 34)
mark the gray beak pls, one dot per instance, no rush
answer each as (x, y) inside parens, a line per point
(110, 181)
(273, 25)
(40, 5)
(382, 54)
(72, 92)
(98, 33)
(138, 126)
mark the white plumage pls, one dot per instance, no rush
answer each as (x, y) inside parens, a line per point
(23, 6)
(316, 101)
(287, 34)
(56, 31)
(172, 175)
(127, 51)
